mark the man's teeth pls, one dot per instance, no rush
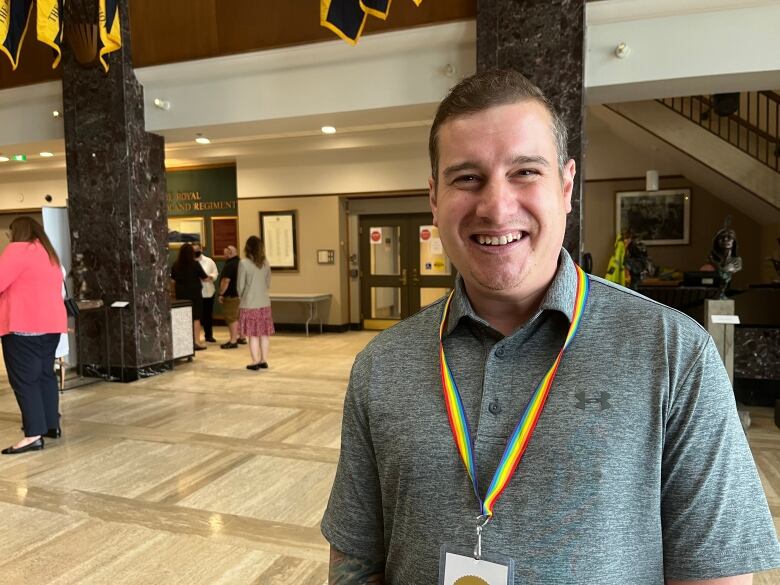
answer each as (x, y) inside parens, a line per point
(498, 240)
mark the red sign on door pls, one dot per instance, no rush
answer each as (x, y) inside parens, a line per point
(375, 235)
(425, 234)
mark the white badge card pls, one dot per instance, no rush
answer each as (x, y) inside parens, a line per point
(461, 568)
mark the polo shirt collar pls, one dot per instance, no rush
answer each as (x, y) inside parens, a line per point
(559, 297)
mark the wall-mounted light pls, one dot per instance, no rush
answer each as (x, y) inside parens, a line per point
(622, 50)
(46, 154)
(651, 181)
(328, 130)
(162, 104)
(55, 113)
(200, 139)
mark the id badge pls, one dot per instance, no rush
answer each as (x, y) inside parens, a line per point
(459, 567)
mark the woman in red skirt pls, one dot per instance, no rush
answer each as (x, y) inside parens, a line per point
(254, 314)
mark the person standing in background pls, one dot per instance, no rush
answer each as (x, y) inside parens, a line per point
(228, 295)
(187, 274)
(254, 315)
(208, 290)
(32, 317)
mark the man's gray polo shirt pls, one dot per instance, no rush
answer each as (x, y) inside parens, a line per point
(638, 468)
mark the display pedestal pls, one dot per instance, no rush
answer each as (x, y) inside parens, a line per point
(722, 333)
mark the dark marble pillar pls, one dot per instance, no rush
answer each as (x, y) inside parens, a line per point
(117, 210)
(545, 41)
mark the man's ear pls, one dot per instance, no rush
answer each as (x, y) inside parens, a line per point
(432, 200)
(569, 171)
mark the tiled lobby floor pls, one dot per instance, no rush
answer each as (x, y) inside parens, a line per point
(212, 474)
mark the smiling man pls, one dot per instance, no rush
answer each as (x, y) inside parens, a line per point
(538, 425)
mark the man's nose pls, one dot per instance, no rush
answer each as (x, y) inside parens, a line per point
(498, 202)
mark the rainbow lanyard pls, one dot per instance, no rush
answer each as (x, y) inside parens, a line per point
(521, 436)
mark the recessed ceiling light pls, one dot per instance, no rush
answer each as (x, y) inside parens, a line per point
(328, 130)
(55, 113)
(200, 139)
(46, 154)
(4, 158)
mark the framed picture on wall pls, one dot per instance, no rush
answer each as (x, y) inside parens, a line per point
(224, 233)
(656, 217)
(278, 232)
(185, 230)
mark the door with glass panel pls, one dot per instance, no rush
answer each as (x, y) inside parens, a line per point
(403, 267)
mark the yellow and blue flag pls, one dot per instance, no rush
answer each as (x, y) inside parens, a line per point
(347, 18)
(49, 25)
(14, 18)
(110, 33)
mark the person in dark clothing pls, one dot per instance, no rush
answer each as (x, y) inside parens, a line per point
(228, 295)
(188, 275)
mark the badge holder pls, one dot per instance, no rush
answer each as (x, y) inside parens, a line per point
(459, 567)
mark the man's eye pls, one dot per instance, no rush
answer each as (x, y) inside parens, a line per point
(527, 172)
(466, 179)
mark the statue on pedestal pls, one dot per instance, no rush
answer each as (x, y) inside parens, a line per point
(79, 274)
(724, 257)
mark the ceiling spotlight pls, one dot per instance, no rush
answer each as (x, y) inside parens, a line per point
(200, 139)
(46, 154)
(162, 104)
(55, 113)
(4, 158)
(328, 130)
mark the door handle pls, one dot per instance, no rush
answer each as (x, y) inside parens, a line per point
(415, 276)
(403, 277)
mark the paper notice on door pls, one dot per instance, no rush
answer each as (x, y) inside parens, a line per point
(436, 247)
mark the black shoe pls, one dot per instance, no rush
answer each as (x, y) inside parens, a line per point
(34, 446)
(229, 345)
(211, 340)
(54, 433)
(264, 365)
(200, 347)
(241, 341)
(254, 366)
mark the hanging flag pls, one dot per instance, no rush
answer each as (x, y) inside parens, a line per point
(108, 23)
(347, 18)
(49, 24)
(14, 17)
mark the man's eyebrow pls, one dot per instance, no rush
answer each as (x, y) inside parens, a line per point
(460, 167)
(525, 159)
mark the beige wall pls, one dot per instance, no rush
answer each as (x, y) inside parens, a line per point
(321, 225)
(707, 215)
(17, 193)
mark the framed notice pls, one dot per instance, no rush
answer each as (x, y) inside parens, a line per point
(277, 230)
(224, 233)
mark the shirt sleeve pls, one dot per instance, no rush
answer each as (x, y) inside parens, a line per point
(212, 271)
(716, 522)
(353, 521)
(241, 280)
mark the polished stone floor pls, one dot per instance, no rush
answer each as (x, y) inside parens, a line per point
(212, 474)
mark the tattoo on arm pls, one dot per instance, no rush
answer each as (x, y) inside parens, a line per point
(347, 570)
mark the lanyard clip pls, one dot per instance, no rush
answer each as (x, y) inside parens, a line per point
(482, 521)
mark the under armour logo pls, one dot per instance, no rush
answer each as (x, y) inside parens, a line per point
(603, 400)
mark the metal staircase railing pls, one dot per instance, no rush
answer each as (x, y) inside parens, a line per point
(750, 121)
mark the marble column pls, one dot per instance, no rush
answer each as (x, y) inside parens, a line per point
(545, 41)
(117, 211)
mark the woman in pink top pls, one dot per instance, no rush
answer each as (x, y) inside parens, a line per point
(32, 317)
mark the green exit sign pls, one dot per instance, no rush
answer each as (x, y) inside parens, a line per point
(19, 157)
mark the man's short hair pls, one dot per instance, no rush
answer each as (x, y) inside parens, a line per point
(488, 89)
